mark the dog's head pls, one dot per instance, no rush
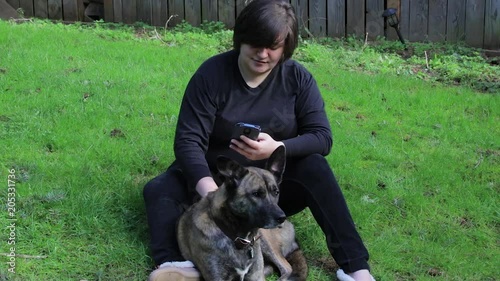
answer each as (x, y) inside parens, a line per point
(253, 193)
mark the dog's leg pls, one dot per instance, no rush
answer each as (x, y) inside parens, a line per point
(272, 252)
(299, 265)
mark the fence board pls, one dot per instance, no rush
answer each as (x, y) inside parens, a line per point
(70, 10)
(176, 10)
(55, 9)
(27, 6)
(80, 10)
(192, 10)
(317, 17)
(437, 20)
(355, 17)
(336, 18)
(374, 19)
(227, 11)
(492, 25)
(389, 31)
(404, 23)
(158, 12)
(209, 10)
(144, 11)
(13, 3)
(474, 18)
(117, 10)
(108, 10)
(302, 14)
(456, 21)
(40, 7)
(129, 11)
(419, 11)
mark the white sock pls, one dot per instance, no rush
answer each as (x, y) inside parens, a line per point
(177, 264)
(344, 277)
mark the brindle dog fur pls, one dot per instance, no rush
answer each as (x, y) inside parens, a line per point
(239, 232)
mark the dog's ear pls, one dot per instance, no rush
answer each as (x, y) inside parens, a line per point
(230, 168)
(276, 163)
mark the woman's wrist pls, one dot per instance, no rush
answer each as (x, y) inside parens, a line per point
(206, 185)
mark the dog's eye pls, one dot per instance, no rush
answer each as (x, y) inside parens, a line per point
(258, 193)
(276, 192)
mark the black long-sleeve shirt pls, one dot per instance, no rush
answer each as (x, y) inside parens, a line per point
(287, 105)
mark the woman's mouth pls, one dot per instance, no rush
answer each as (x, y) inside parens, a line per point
(259, 61)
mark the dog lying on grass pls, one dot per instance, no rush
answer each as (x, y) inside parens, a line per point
(239, 232)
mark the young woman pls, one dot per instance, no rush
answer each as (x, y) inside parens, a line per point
(255, 83)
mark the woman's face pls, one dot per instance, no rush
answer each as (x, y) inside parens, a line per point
(258, 61)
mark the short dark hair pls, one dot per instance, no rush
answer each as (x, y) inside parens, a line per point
(265, 23)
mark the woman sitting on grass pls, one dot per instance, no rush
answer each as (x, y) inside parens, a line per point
(256, 83)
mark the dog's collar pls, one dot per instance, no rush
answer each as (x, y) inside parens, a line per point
(239, 243)
(242, 243)
(245, 244)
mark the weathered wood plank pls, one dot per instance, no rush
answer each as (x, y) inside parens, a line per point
(404, 19)
(27, 6)
(302, 12)
(55, 9)
(355, 18)
(419, 11)
(144, 11)
(437, 20)
(14, 3)
(374, 19)
(456, 21)
(317, 17)
(129, 11)
(227, 12)
(209, 10)
(109, 15)
(176, 10)
(474, 23)
(80, 10)
(390, 32)
(70, 10)
(117, 11)
(40, 7)
(492, 25)
(336, 18)
(193, 11)
(158, 13)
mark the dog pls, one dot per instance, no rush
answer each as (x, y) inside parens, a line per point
(239, 232)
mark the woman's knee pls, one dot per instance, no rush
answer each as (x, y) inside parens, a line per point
(153, 188)
(169, 184)
(314, 164)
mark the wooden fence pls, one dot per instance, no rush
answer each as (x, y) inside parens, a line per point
(476, 22)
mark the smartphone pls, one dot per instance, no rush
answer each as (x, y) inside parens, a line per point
(249, 130)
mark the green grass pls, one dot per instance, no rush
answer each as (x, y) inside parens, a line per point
(87, 117)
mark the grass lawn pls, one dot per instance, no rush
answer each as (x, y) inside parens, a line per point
(87, 117)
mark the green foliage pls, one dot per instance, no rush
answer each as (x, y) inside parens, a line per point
(88, 113)
(452, 64)
(206, 27)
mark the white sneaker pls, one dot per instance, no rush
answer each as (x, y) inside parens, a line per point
(342, 276)
(175, 271)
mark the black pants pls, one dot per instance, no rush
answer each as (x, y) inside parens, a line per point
(307, 182)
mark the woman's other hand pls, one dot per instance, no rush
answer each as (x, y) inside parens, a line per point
(258, 149)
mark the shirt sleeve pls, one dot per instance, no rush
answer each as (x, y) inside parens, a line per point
(314, 133)
(194, 126)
